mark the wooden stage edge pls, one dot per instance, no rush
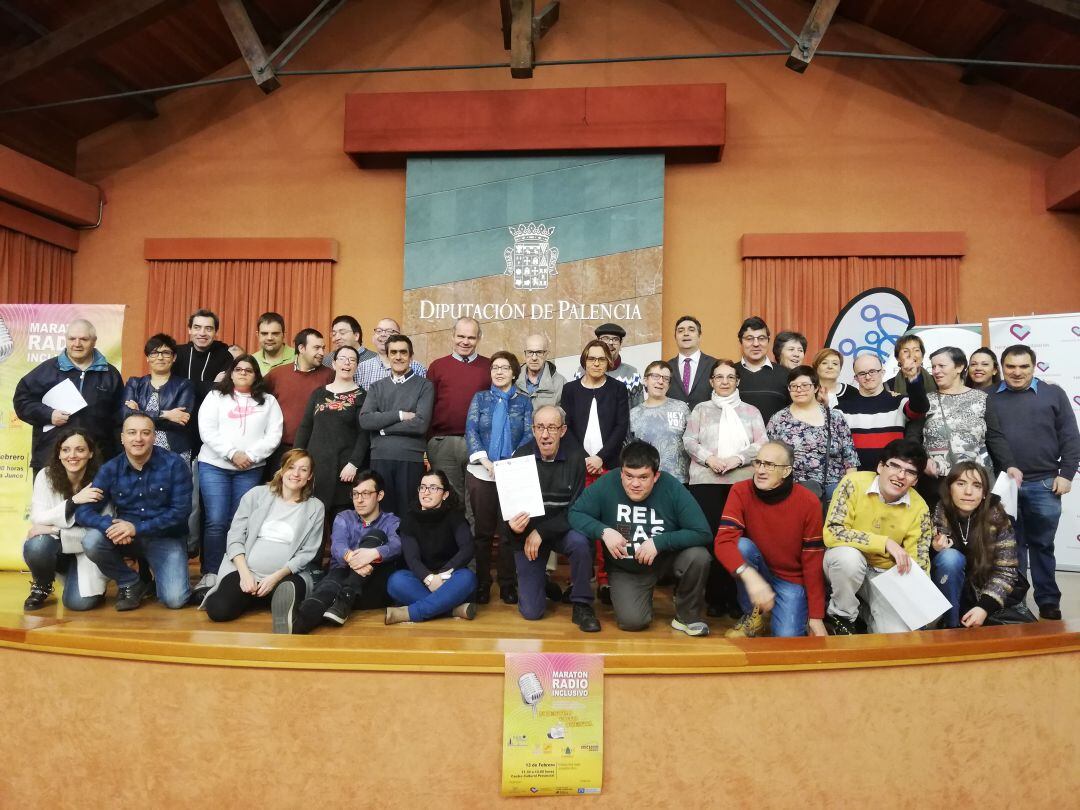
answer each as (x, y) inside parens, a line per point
(154, 633)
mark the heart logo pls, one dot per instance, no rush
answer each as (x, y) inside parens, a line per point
(1076, 331)
(1076, 399)
(533, 790)
(1019, 331)
(1042, 366)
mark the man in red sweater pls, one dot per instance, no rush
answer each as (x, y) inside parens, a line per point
(456, 377)
(292, 387)
(770, 540)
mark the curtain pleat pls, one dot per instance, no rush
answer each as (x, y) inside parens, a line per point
(806, 294)
(32, 271)
(238, 291)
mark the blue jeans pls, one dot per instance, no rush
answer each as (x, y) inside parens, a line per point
(167, 557)
(1037, 523)
(790, 612)
(406, 589)
(43, 556)
(221, 491)
(947, 571)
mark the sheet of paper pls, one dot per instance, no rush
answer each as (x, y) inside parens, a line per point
(519, 487)
(913, 595)
(1006, 489)
(479, 471)
(63, 396)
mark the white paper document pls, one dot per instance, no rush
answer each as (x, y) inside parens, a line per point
(1006, 489)
(519, 487)
(479, 471)
(63, 396)
(913, 595)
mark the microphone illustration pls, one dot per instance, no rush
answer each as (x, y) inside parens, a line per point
(531, 690)
(7, 345)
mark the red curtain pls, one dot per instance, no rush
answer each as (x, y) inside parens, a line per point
(806, 294)
(238, 292)
(32, 271)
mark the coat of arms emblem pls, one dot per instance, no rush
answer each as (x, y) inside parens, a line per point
(532, 260)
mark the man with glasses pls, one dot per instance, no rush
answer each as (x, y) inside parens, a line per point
(397, 412)
(561, 469)
(761, 384)
(690, 367)
(612, 335)
(345, 331)
(875, 414)
(650, 527)
(538, 379)
(365, 549)
(770, 541)
(876, 521)
(377, 365)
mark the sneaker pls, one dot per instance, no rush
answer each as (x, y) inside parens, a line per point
(340, 611)
(308, 616)
(691, 628)
(839, 626)
(751, 625)
(283, 607)
(199, 592)
(585, 618)
(38, 595)
(132, 596)
(604, 593)
(465, 611)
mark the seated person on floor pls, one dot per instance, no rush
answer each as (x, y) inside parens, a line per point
(876, 521)
(560, 465)
(770, 540)
(364, 551)
(650, 526)
(149, 489)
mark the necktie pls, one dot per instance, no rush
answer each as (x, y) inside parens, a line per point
(686, 375)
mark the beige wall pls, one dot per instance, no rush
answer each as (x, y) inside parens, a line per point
(849, 146)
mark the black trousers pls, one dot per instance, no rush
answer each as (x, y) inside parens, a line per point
(228, 602)
(402, 479)
(720, 588)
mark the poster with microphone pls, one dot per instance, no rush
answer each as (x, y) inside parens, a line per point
(1055, 339)
(553, 724)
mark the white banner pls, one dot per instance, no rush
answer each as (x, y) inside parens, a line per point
(1055, 339)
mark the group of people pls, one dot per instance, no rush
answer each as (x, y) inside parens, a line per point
(318, 479)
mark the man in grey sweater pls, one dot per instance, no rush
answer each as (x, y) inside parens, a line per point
(397, 413)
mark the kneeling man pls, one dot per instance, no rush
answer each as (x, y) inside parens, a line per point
(875, 521)
(650, 526)
(770, 540)
(149, 489)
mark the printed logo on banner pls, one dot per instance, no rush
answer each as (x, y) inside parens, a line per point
(1042, 366)
(1019, 331)
(7, 344)
(870, 323)
(532, 260)
(1076, 331)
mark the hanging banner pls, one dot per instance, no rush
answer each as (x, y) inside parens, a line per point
(1055, 339)
(31, 334)
(870, 323)
(553, 724)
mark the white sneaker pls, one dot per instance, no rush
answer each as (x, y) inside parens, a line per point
(691, 628)
(198, 593)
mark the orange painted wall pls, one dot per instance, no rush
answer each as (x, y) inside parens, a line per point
(849, 146)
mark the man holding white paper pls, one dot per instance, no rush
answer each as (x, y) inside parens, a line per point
(876, 521)
(560, 468)
(96, 382)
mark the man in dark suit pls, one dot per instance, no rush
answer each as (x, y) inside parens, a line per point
(690, 368)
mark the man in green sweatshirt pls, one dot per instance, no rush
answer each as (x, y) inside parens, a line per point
(649, 526)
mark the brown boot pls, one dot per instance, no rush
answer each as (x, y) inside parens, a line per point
(396, 615)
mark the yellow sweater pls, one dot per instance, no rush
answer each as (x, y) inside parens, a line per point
(862, 520)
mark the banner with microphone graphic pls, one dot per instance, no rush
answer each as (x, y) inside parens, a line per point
(553, 724)
(31, 334)
(1055, 339)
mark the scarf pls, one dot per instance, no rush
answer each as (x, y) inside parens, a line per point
(500, 445)
(731, 435)
(776, 495)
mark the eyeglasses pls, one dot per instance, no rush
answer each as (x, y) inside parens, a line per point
(610, 339)
(768, 466)
(542, 429)
(366, 493)
(535, 352)
(866, 375)
(431, 488)
(800, 387)
(592, 359)
(386, 331)
(501, 367)
(724, 377)
(243, 370)
(664, 377)
(160, 353)
(754, 338)
(907, 472)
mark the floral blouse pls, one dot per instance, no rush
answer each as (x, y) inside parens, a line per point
(809, 444)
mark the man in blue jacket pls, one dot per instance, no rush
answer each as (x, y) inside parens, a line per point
(149, 489)
(96, 379)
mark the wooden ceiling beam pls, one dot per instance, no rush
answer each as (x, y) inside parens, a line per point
(82, 37)
(251, 47)
(522, 28)
(812, 32)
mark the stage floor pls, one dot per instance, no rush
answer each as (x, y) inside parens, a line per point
(365, 642)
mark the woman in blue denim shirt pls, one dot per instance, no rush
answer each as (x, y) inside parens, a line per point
(498, 423)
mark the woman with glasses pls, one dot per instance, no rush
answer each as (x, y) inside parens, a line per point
(330, 431)
(597, 411)
(438, 548)
(819, 436)
(497, 424)
(240, 426)
(827, 364)
(983, 371)
(167, 399)
(661, 421)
